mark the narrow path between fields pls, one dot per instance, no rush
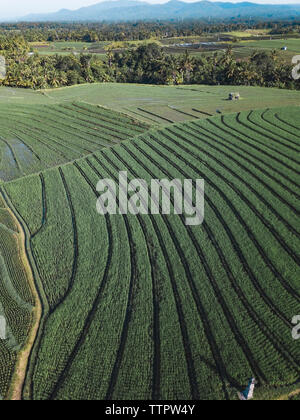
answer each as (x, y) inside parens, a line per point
(16, 386)
(289, 396)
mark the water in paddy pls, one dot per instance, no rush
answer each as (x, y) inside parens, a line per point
(16, 159)
(8, 166)
(23, 154)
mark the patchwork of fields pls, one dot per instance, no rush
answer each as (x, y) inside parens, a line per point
(197, 46)
(158, 105)
(245, 49)
(142, 307)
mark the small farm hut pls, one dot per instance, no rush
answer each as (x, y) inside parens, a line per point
(234, 96)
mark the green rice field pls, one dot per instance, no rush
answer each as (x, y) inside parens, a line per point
(143, 306)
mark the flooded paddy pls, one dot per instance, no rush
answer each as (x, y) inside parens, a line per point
(16, 158)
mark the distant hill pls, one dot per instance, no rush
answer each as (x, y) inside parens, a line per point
(129, 10)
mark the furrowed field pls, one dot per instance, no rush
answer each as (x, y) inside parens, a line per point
(145, 307)
(39, 136)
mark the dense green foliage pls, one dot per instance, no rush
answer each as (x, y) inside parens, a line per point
(149, 64)
(146, 307)
(146, 64)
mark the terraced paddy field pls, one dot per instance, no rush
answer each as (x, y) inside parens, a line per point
(156, 105)
(145, 307)
(39, 136)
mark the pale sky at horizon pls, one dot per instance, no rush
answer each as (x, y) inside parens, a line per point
(16, 8)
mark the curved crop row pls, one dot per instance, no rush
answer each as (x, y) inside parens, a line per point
(215, 285)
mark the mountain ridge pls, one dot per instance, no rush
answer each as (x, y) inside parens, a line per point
(129, 10)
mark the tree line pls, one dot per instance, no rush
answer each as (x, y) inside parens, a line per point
(147, 64)
(95, 32)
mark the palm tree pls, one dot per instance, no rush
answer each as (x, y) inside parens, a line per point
(187, 66)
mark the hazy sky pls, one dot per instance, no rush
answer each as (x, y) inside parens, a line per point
(16, 8)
